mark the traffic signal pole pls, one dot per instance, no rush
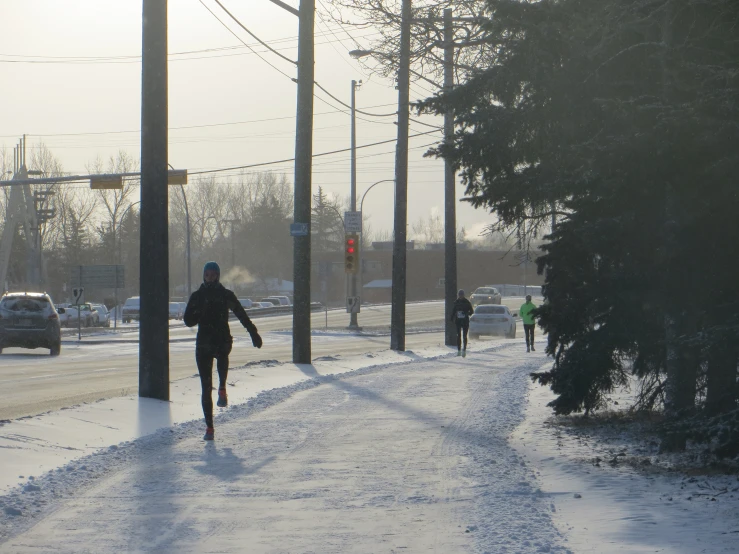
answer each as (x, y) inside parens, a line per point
(353, 322)
(302, 199)
(154, 277)
(398, 294)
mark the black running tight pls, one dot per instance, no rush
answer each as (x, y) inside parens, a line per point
(462, 329)
(204, 358)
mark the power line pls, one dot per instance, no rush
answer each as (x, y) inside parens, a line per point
(87, 60)
(206, 125)
(245, 44)
(259, 40)
(316, 83)
(293, 159)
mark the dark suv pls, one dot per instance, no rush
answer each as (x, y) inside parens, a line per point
(29, 320)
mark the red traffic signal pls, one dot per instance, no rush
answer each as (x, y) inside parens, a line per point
(351, 258)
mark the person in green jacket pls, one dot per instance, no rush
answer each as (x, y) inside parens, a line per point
(528, 322)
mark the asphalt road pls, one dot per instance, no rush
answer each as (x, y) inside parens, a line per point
(35, 383)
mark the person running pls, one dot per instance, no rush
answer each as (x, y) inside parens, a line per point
(208, 308)
(529, 323)
(461, 312)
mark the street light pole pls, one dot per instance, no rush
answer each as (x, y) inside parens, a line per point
(353, 321)
(154, 278)
(398, 295)
(361, 230)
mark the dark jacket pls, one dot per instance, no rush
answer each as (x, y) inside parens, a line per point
(208, 309)
(462, 306)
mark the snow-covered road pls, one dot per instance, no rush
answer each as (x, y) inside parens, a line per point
(412, 457)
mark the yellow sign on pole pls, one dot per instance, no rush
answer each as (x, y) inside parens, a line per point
(177, 177)
(103, 182)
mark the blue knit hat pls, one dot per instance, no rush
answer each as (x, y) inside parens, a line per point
(212, 265)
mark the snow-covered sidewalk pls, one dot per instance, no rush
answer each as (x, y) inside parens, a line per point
(409, 457)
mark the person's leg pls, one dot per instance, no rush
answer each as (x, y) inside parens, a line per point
(204, 359)
(459, 337)
(527, 332)
(533, 327)
(222, 366)
(465, 329)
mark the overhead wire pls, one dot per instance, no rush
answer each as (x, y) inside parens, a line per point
(293, 159)
(244, 42)
(316, 83)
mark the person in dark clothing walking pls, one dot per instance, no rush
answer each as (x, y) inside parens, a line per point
(208, 308)
(461, 312)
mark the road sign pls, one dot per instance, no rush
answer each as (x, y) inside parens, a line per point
(352, 304)
(352, 222)
(98, 276)
(298, 229)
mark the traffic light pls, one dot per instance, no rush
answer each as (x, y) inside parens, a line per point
(351, 253)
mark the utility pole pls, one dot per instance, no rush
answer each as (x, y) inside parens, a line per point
(154, 277)
(353, 322)
(398, 294)
(303, 168)
(450, 201)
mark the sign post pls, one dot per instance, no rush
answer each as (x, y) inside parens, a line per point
(101, 277)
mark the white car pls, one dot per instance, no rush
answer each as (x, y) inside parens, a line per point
(246, 303)
(103, 315)
(492, 319)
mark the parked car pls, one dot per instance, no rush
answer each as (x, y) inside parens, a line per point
(103, 315)
(492, 320)
(131, 309)
(175, 310)
(485, 295)
(271, 300)
(246, 303)
(183, 307)
(263, 304)
(29, 320)
(284, 300)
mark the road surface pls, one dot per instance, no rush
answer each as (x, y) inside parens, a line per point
(36, 383)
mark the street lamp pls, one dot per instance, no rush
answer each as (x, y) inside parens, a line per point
(361, 233)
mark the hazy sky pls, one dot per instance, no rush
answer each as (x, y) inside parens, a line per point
(57, 92)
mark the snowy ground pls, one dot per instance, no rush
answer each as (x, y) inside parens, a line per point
(385, 452)
(615, 493)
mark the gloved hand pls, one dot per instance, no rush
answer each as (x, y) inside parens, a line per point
(256, 340)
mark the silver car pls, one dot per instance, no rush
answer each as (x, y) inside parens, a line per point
(29, 320)
(485, 295)
(492, 320)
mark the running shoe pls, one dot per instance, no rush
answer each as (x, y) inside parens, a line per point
(222, 398)
(209, 434)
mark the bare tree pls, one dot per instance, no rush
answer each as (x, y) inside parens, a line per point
(115, 202)
(427, 59)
